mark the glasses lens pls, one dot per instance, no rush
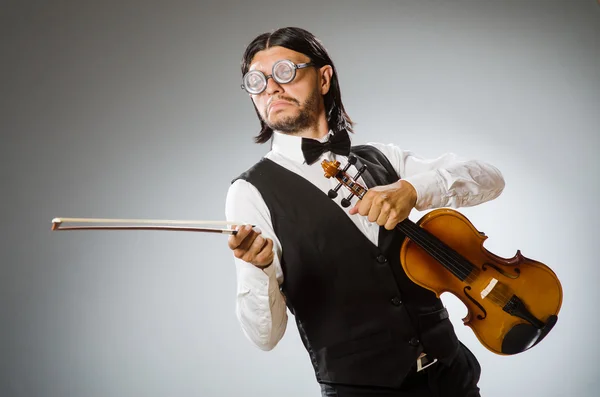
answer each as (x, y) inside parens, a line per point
(254, 82)
(284, 72)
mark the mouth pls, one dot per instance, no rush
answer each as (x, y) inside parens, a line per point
(277, 104)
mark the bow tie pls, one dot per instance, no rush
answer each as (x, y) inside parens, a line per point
(339, 143)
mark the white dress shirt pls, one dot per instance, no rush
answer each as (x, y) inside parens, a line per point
(446, 181)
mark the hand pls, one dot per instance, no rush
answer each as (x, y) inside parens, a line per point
(387, 205)
(249, 246)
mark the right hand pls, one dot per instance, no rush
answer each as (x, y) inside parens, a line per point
(249, 246)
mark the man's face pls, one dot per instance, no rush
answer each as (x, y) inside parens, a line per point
(293, 106)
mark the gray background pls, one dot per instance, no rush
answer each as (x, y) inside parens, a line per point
(133, 110)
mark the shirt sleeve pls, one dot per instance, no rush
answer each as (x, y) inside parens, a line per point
(260, 305)
(445, 181)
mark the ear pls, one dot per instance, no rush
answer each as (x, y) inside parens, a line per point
(325, 74)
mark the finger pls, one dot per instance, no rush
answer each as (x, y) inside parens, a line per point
(257, 245)
(375, 211)
(364, 205)
(395, 216)
(235, 240)
(391, 223)
(354, 210)
(384, 215)
(248, 240)
(266, 255)
(242, 251)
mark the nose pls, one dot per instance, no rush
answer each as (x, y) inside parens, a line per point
(273, 86)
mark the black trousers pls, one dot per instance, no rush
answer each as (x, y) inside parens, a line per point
(456, 379)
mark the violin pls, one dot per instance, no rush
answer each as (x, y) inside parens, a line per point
(512, 303)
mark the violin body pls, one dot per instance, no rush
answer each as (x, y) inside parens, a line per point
(512, 303)
(503, 324)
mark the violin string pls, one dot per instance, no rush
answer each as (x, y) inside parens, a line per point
(450, 263)
(433, 241)
(497, 294)
(416, 234)
(456, 263)
(503, 293)
(438, 250)
(422, 237)
(454, 260)
(436, 254)
(498, 301)
(460, 261)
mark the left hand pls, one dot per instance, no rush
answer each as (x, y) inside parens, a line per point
(387, 205)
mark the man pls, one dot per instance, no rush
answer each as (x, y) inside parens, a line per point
(367, 328)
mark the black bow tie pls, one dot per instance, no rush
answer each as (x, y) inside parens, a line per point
(339, 143)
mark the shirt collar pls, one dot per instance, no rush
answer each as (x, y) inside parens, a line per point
(290, 146)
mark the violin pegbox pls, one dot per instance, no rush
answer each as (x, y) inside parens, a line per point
(332, 170)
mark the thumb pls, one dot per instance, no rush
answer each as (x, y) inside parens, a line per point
(354, 210)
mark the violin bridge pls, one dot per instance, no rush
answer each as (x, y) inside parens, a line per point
(489, 288)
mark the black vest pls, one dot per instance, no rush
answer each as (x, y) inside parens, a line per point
(362, 321)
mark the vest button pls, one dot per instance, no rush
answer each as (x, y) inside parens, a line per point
(396, 301)
(381, 259)
(414, 341)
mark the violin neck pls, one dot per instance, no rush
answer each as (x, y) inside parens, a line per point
(446, 256)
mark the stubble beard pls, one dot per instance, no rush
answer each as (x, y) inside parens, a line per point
(305, 119)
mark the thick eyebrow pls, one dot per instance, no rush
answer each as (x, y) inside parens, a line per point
(252, 66)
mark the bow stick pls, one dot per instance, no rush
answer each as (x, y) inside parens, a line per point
(142, 224)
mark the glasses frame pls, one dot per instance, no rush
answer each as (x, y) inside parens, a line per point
(266, 78)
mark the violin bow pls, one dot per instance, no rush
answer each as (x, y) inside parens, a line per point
(58, 224)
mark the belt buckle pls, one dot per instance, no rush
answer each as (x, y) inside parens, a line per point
(424, 362)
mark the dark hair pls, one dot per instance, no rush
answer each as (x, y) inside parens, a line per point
(302, 41)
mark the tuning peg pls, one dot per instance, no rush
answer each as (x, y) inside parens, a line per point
(360, 171)
(333, 192)
(346, 201)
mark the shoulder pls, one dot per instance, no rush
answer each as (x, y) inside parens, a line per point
(244, 201)
(240, 187)
(252, 171)
(369, 149)
(379, 152)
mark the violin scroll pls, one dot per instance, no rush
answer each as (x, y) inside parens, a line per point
(332, 170)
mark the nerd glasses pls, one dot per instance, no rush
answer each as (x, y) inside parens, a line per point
(284, 71)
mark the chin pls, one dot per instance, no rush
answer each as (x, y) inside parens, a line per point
(281, 117)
